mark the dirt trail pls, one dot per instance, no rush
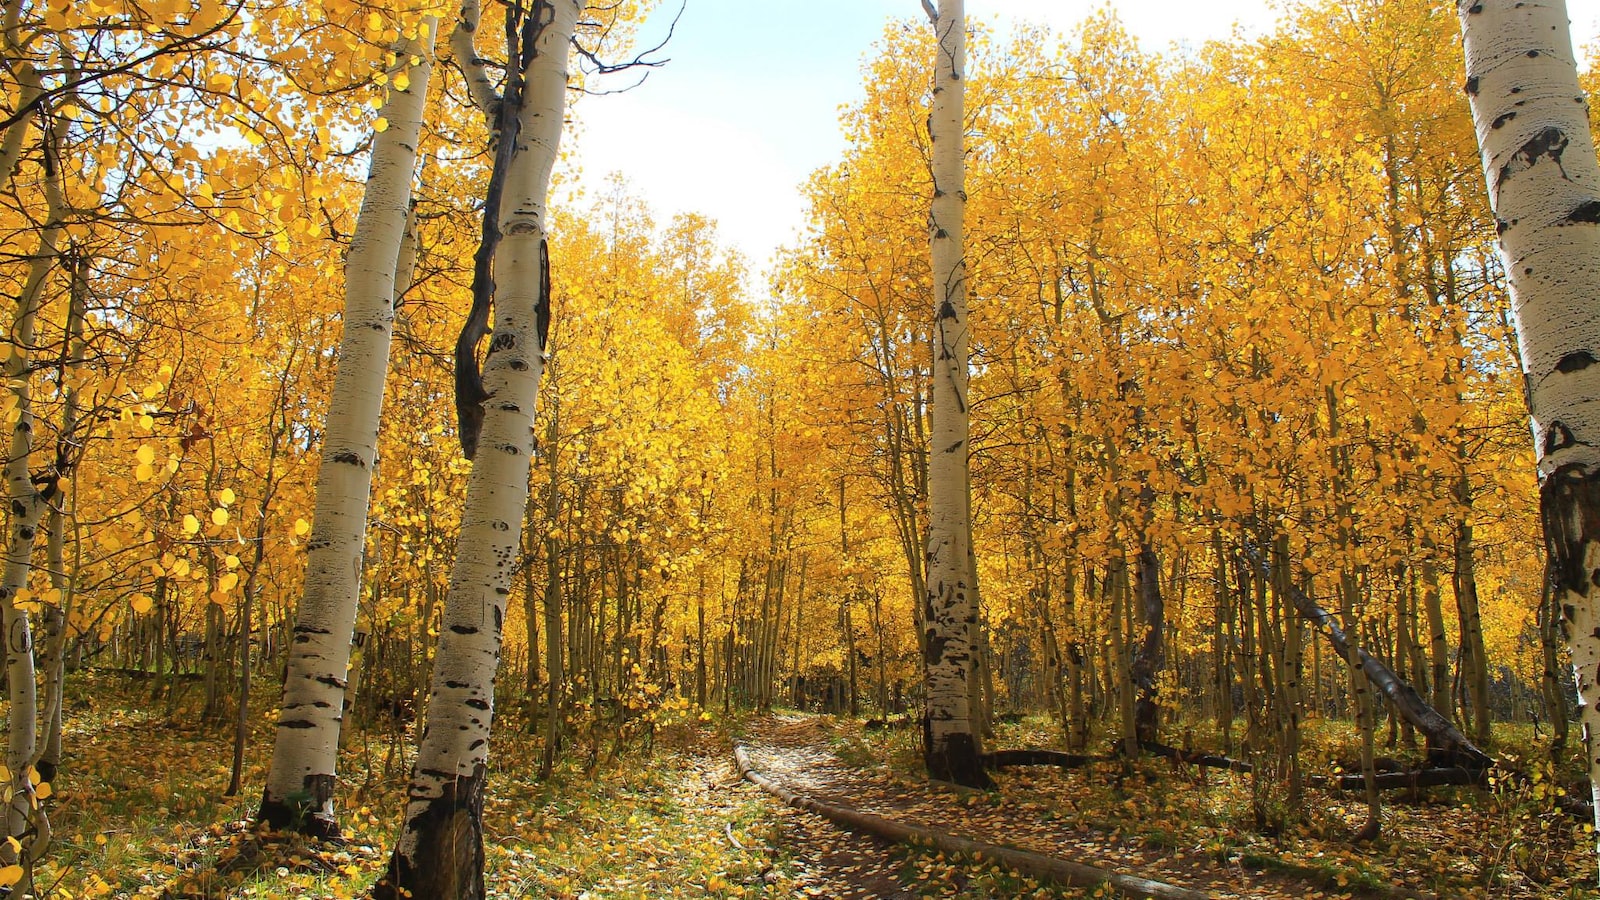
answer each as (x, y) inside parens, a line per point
(795, 750)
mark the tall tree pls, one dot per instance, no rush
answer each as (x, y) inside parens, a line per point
(950, 744)
(439, 853)
(300, 783)
(29, 494)
(1544, 187)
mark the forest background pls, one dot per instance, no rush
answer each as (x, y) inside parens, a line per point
(1240, 297)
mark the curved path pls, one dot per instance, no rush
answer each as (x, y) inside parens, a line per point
(794, 751)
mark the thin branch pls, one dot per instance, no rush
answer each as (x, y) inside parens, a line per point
(639, 60)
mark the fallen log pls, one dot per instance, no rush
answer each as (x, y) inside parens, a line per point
(1195, 758)
(1000, 759)
(890, 722)
(1402, 697)
(1415, 778)
(1061, 871)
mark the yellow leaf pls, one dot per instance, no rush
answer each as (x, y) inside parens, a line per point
(381, 125)
(301, 528)
(146, 454)
(10, 875)
(144, 472)
(44, 791)
(402, 81)
(219, 516)
(191, 525)
(141, 604)
(228, 582)
(232, 561)
(180, 568)
(227, 496)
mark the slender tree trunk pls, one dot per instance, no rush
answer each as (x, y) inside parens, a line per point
(29, 497)
(700, 697)
(1544, 187)
(275, 435)
(1552, 688)
(1438, 639)
(29, 89)
(950, 742)
(63, 575)
(439, 853)
(555, 707)
(1223, 643)
(302, 777)
(1475, 660)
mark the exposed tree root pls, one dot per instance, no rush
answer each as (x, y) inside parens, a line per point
(1061, 871)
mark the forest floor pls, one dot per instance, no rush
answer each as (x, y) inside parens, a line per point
(138, 811)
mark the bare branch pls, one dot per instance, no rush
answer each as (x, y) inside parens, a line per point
(639, 60)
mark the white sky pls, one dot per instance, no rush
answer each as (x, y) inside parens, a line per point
(748, 106)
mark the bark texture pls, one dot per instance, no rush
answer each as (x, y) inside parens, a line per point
(28, 496)
(439, 853)
(950, 741)
(300, 784)
(1544, 187)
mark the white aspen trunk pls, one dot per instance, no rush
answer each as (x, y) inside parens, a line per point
(63, 576)
(1544, 187)
(301, 782)
(29, 88)
(28, 503)
(439, 853)
(950, 744)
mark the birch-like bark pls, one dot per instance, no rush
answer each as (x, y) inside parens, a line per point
(300, 783)
(63, 576)
(29, 87)
(1544, 187)
(28, 503)
(439, 853)
(950, 744)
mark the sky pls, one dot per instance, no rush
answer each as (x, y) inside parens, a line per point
(748, 105)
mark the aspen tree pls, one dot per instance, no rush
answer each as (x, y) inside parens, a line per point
(300, 783)
(1544, 188)
(950, 744)
(439, 853)
(29, 495)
